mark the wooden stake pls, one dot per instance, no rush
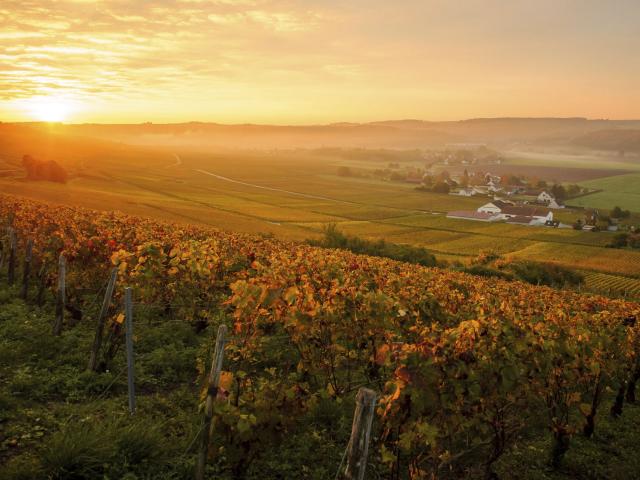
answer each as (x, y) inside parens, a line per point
(28, 256)
(102, 318)
(11, 275)
(212, 393)
(62, 294)
(128, 308)
(358, 448)
(42, 273)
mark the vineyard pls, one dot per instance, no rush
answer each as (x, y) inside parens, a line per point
(613, 284)
(463, 367)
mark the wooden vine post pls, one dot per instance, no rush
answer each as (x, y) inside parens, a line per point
(11, 275)
(128, 309)
(28, 257)
(61, 296)
(358, 448)
(102, 318)
(212, 393)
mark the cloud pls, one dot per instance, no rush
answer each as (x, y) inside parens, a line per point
(244, 60)
(143, 46)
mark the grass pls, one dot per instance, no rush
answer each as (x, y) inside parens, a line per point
(620, 190)
(59, 422)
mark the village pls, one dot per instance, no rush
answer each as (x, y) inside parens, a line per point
(523, 204)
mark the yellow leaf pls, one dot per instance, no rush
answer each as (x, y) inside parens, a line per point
(120, 318)
(226, 380)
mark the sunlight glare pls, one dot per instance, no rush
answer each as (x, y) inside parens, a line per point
(48, 109)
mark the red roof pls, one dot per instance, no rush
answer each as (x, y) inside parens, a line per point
(528, 211)
(471, 214)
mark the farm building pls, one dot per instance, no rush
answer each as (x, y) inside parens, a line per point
(494, 207)
(501, 210)
(471, 215)
(465, 192)
(545, 197)
(538, 215)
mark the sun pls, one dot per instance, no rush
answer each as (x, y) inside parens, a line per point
(48, 109)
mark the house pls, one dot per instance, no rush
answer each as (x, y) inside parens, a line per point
(538, 215)
(471, 215)
(545, 197)
(523, 214)
(480, 190)
(554, 204)
(494, 207)
(465, 192)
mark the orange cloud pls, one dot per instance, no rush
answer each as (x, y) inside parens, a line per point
(288, 61)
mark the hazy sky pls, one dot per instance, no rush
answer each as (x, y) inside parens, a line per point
(278, 61)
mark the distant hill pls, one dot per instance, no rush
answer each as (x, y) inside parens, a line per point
(384, 134)
(622, 140)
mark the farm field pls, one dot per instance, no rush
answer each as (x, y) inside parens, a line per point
(295, 194)
(572, 159)
(621, 190)
(613, 284)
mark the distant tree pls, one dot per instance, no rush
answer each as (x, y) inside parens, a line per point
(514, 180)
(617, 212)
(464, 182)
(49, 170)
(573, 190)
(428, 180)
(559, 192)
(441, 187)
(619, 241)
(444, 175)
(541, 184)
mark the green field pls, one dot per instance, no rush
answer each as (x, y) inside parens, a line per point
(620, 190)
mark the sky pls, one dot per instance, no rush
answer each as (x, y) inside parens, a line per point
(323, 61)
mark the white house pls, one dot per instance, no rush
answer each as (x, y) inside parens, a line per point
(554, 204)
(494, 207)
(526, 214)
(545, 197)
(537, 215)
(465, 192)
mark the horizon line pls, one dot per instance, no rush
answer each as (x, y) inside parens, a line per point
(335, 123)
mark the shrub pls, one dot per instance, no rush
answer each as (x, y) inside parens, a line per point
(334, 238)
(617, 212)
(546, 274)
(441, 187)
(485, 271)
(619, 240)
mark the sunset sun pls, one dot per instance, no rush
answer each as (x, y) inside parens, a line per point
(49, 109)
